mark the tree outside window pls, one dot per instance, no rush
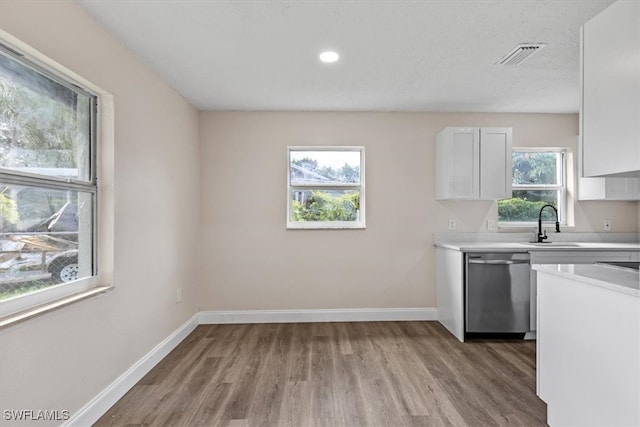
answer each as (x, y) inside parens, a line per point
(538, 179)
(47, 184)
(326, 187)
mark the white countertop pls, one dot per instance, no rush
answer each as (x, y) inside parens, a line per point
(528, 247)
(617, 279)
(518, 242)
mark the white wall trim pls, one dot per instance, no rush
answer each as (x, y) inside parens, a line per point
(99, 405)
(328, 315)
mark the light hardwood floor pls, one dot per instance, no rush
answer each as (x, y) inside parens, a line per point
(335, 374)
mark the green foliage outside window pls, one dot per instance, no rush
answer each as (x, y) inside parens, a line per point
(539, 169)
(42, 129)
(535, 168)
(324, 206)
(523, 210)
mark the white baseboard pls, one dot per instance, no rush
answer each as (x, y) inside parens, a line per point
(329, 315)
(100, 404)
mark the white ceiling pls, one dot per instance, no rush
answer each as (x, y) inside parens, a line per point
(429, 55)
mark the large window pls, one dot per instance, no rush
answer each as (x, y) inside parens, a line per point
(325, 187)
(48, 187)
(538, 179)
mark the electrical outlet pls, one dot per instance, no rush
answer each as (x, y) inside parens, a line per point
(606, 225)
(491, 225)
(452, 224)
(178, 295)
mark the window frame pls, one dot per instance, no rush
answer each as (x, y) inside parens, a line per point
(561, 186)
(327, 225)
(101, 111)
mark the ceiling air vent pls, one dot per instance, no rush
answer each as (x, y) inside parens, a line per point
(521, 53)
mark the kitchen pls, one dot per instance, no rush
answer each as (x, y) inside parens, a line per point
(485, 286)
(392, 265)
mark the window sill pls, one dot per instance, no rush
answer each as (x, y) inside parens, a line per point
(336, 225)
(12, 319)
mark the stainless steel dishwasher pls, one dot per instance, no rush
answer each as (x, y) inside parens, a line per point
(497, 295)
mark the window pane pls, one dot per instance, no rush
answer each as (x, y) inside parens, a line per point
(536, 168)
(526, 204)
(325, 167)
(45, 127)
(45, 238)
(325, 205)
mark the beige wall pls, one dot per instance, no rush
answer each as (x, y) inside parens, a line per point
(63, 359)
(236, 169)
(250, 260)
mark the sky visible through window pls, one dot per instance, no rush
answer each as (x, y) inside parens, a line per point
(333, 159)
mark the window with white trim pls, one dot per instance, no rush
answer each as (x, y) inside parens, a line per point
(539, 178)
(48, 184)
(325, 187)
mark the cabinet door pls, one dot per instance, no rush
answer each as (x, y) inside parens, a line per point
(457, 163)
(622, 188)
(611, 91)
(606, 188)
(495, 163)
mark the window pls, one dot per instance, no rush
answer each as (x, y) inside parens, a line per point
(325, 187)
(538, 179)
(48, 186)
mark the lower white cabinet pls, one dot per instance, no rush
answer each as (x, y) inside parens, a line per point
(450, 290)
(588, 353)
(570, 257)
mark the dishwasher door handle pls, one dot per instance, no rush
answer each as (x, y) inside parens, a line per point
(497, 261)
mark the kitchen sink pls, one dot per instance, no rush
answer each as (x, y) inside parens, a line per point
(555, 244)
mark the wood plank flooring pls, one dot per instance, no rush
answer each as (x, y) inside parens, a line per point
(335, 374)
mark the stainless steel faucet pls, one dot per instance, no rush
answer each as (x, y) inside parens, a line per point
(543, 237)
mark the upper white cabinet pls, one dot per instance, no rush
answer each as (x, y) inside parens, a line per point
(606, 188)
(615, 188)
(610, 111)
(473, 163)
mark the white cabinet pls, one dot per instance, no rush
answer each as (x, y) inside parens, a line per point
(571, 257)
(606, 188)
(610, 110)
(450, 290)
(614, 188)
(588, 347)
(473, 163)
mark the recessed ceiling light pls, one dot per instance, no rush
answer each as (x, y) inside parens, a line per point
(329, 56)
